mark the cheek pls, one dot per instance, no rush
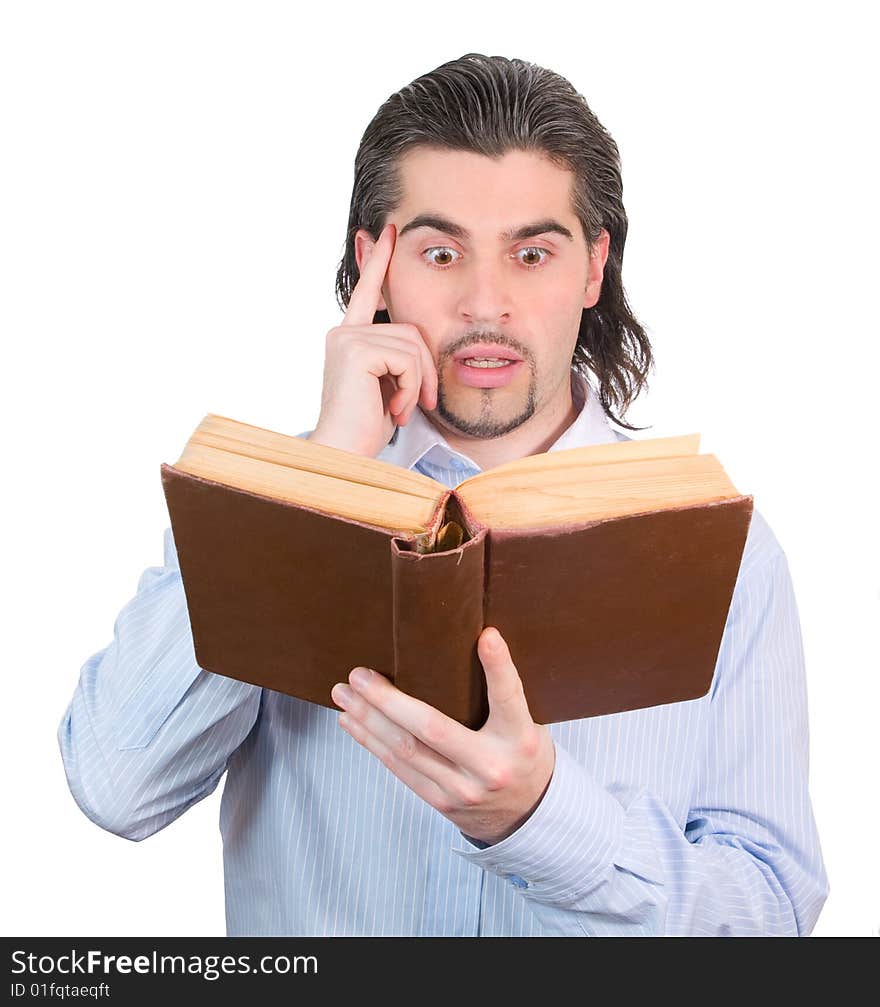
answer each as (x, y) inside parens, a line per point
(552, 306)
(553, 316)
(566, 300)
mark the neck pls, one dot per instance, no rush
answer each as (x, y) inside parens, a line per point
(533, 437)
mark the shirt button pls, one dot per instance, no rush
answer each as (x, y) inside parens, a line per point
(517, 881)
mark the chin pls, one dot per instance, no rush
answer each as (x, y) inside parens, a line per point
(486, 423)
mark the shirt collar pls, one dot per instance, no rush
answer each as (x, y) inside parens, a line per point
(420, 438)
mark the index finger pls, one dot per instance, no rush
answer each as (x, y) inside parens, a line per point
(364, 301)
(433, 728)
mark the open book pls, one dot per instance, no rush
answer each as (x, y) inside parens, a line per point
(609, 569)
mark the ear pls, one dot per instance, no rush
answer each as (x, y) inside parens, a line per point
(364, 243)
(598, 258)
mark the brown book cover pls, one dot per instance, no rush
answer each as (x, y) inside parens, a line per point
(600, 617)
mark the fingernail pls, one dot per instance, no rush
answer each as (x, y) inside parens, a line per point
(360, 676)
(340, 694)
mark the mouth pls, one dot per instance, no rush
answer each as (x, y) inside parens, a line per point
(487, 356)
(486, 366)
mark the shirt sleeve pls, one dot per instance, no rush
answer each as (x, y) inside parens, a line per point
(748, 862)
(148, 733)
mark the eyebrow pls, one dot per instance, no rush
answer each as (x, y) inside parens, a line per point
(441, 223)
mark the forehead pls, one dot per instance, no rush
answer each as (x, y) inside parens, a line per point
(478, 190)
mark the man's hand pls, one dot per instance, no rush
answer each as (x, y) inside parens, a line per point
(487, 782)
(374, 375)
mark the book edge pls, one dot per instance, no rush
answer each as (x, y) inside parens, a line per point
(569, 526)
(379, 462)
(169, 471)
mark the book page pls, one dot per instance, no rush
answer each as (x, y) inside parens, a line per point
(384, 508)
(297, 452)
(593, 454)
(594, 492)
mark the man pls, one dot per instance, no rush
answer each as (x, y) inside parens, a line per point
(482, 281)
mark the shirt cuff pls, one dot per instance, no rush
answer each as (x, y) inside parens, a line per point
(568, 844)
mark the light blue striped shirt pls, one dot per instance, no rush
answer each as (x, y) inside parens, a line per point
(687, 819)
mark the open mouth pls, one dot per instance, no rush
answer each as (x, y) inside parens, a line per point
(486, 362)
(487, 372)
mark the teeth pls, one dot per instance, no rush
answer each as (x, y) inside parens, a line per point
(486, 362)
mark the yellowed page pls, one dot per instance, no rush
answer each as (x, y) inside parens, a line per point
(595, 491)
(296, 452)
(387, 508)
(593, 454)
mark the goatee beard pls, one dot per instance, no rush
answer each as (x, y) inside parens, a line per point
(486, 426)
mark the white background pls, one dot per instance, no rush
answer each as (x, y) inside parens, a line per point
(174, 196)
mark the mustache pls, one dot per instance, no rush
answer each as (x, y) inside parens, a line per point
(475, 336)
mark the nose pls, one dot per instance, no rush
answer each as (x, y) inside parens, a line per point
(484, 295)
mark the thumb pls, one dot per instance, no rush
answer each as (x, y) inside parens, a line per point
(504, 689)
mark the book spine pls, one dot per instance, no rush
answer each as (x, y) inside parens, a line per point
(437, 602)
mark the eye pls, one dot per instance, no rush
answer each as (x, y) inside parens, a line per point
(543, 252)
(433, 256)
(442, 250)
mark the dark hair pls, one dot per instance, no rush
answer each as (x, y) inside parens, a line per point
(490, 105)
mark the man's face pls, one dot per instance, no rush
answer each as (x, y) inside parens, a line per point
(490, 259)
